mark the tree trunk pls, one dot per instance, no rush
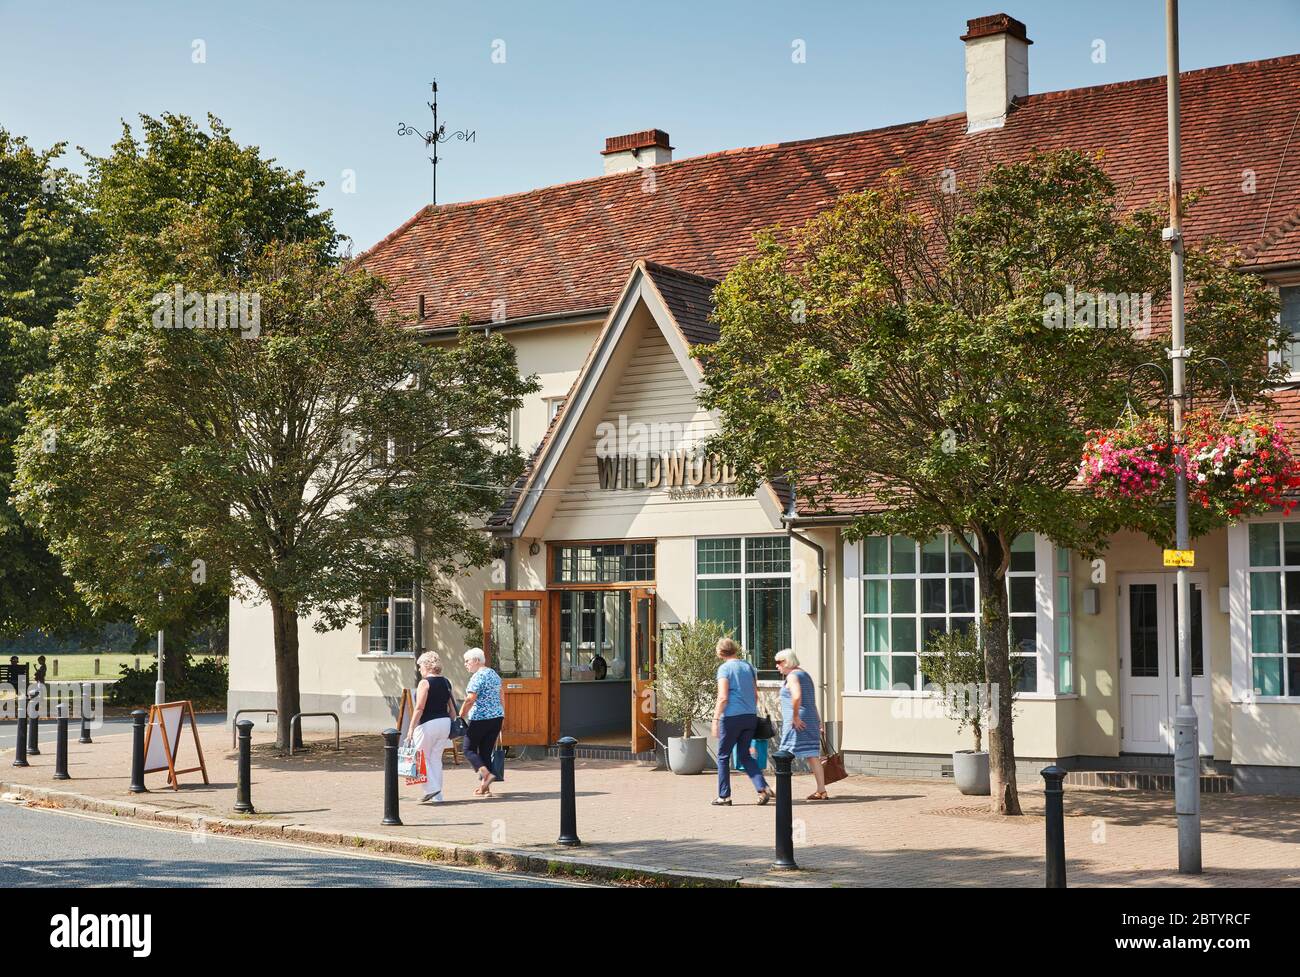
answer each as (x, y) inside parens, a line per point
(288, 702)
(173, 662)
(994, 632)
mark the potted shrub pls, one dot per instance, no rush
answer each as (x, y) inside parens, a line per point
(954, 665)
(686, 688)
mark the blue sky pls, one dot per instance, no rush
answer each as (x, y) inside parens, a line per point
(323, 85)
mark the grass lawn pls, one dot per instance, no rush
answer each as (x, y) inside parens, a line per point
(79, 667)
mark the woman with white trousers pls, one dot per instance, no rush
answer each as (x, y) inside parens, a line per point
(430, 728)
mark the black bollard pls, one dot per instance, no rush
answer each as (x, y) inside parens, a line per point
(243, 786)
(20, 742)
(61, 745)
(390, 778)
(85, 720)
(1054, 790)
(784, 811)
(568, 795)
(33, 729)
(139, 716)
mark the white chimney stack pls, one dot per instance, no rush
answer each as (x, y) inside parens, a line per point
(636, 151)
(997, 69)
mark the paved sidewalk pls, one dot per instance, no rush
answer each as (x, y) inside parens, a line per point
(873, 832)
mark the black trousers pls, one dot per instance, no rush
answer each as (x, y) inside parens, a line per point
(480, 741)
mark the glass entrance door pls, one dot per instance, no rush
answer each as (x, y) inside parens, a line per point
(645, 654)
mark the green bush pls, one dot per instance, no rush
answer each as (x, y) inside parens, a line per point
(686, 683)
(206, 683)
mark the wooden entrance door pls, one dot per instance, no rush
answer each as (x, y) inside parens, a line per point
(645, 655)
(515, 638)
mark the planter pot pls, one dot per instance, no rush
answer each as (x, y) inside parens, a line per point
(688, 754)
(970, 769)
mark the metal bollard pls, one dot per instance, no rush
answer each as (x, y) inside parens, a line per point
(139, 716)
(784, 811)
(568, 795)
(20, 742)
(85, 722)
(33, 729)
(1054, 790)
(243, 786)
(61, 745)
(390, 778)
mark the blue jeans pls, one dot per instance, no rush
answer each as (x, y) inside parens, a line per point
(737, 731)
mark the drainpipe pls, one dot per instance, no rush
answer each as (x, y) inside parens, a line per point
(821, 606)
(508, 554)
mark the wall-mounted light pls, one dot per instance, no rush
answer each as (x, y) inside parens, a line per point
(1091, 600)
(1225, 600)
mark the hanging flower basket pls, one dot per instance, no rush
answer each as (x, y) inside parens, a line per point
(1130, 462)
(1239, 466)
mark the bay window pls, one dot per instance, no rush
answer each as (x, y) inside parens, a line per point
(744, 583)
(1274, 601)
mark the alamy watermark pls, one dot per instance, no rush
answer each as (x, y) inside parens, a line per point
(1098, 310)
(183, 309)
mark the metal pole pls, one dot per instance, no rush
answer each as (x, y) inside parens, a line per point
(1054, 791)
(85, 720)
(244, 774)
(160, 687)
(138, 717)
(20, 741)
(784, 811)
(33, 728)
(1187, 796)
(390, 778)
(568, 794)
(61, 745)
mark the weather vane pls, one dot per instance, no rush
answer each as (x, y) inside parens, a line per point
(435, 136)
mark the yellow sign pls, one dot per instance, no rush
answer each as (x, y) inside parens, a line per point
(1180, 558)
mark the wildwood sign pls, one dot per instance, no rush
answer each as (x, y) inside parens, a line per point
(674, 469)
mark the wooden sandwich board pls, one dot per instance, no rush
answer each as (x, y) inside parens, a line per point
(160, 751)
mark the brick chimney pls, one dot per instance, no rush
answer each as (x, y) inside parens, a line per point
(997, 69)
(636, 151)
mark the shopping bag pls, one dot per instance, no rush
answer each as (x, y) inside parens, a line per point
(498, 763)
(410, 764)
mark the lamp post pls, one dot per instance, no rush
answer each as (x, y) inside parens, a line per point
(160, 686)
(1187, 794)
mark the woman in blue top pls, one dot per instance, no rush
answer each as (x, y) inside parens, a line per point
(801, 727)
(482, 708)
(734, 719)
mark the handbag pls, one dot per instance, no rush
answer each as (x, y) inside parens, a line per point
(498, 762)
(764, 730)
(832, 763)
(458, 728)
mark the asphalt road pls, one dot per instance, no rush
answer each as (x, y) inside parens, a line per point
(50, 849)
(118, 726)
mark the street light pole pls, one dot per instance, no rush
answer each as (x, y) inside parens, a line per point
(160, 687)
(1187, 792)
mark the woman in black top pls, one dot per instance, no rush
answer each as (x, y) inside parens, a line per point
(430, 728)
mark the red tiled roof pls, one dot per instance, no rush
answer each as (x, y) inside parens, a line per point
(567, 248)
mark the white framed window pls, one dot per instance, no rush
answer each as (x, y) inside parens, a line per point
(1273, 603)
(744, 582)
(390, 623)
(1064, 617)
(912, 590)
(553, 406)
(1289, 316)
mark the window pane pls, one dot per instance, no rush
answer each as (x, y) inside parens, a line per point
(718, 555)
(959, 560)
(1291, 322)
(1266, 634)
(1266, 591)
(903, 549)
(768, 627)
(515, 638)
(961, 595)
(1062, 561)
(877, 672)
(932, 555)
(1267, 676)
(1065, 677)
(378, 642)
(1062, 595)
(1291, 542)
(904, 671)
(1264, 550)
(877, 592)
(904, 636)
(1022, 552)
(878, 634)
(1021, 590)
(1144, 631)
(719, 600)
(904, 596)
(877, 560)
(767, 554)
(934, 595)
(1025, 674)
(403, 626)
(931, 627)
(1024, 635)
(1293, 634)
(1293, 676)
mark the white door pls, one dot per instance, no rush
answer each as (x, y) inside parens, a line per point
(1148, 662)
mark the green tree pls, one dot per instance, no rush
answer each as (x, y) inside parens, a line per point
(899, 347)
(46, 242)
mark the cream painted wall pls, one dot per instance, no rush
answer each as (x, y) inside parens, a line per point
(916, 724)
(556, 355)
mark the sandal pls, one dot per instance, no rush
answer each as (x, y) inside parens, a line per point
(819, 795)
(721, 802)
(765, 795)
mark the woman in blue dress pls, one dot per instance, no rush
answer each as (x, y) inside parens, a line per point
(800, 725)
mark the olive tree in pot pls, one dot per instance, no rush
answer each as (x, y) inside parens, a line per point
(954, 665)
(686, 686)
